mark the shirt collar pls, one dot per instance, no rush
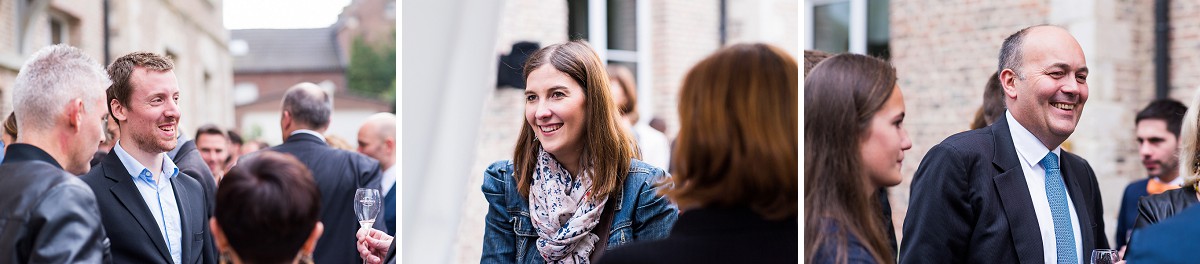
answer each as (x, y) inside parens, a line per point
(1031, 149)
(310, 132)
(136, 168)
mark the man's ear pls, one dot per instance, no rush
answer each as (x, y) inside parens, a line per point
(118, 111)
(1008, 80)
(74, 114)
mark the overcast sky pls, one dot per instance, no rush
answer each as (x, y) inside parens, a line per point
(282, 13)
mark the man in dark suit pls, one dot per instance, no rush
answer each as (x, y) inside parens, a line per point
(49, 215)
(1007, 193)
(153, 214)
(338, 173)
(190, 162)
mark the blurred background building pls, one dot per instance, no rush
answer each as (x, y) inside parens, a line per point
(189, 31)
(945, 51)
(266, 62)
(457, 119)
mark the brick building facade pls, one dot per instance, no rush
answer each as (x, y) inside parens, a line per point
(190, 31)
(945, 51)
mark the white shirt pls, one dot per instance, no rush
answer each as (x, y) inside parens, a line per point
(387, 180)
(655, 148)
(1030, 151)
(310, 132)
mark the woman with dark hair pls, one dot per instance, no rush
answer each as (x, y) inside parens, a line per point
(268, 210)
(736, 174)
(854, 145)
(574, 187)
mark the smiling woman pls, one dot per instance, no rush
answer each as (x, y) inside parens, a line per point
(572, 169)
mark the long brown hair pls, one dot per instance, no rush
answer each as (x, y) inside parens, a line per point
(841, 95)
(607, 150)
(737, 142)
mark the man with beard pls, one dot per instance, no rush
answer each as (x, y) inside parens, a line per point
(50, 216)
(138, 187)
(1158, 127)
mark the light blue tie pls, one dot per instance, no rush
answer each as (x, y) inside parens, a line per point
(1056, 192)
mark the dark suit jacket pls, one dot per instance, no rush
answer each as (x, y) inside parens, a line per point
(970, 203)
(131, 227)
(47, 215)
(338, 174)
(1172, 240)
(189, 162)
(716, 235)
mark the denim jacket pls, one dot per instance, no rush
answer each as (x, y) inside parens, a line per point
(509, 236)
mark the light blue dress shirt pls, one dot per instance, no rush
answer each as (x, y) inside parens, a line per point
(159, 197)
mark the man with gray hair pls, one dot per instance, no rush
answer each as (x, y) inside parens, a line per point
(338, 173)
(59, 100)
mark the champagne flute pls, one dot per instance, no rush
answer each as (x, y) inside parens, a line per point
(367, 204)
(1104, 256)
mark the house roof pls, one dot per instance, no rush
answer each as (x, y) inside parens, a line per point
(281, 50)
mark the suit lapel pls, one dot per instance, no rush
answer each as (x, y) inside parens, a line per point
(1072, 175)
(127, 193)
(1014, 196)
(184, 201)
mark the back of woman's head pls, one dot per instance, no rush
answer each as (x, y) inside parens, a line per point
(737, 141)
(841, 95)
(607, 150)
(267, 206)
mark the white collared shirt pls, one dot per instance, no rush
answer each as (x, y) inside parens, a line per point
(1030, 151)
(388, 178)
(310, 132)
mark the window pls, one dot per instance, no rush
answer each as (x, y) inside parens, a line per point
(619, 30)
(58, 31)
(856, 26)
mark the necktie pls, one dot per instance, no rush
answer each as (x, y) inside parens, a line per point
(1056, 192)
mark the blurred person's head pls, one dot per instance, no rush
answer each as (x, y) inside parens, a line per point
(282, 224)
(377, 139)
(737, 114)
(235, 147)
(811, 58)
(10, 130)
(338, 142)
(854, 144)
(659, 124)
(214, 148)
(58, 103)
(252, 146)
(624, 91)
(144, 100)
(570, 114)
(305, 106)
(993, 103)
(1157, 131)
(1044, 75)
(112, 132)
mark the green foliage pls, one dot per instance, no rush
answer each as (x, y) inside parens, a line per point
(372, 70)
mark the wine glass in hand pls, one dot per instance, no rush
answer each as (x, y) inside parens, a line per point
(367, 204)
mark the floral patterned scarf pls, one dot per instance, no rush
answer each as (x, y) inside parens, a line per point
(563, 211)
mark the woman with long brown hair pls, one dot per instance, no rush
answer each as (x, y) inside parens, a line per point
(854, 145)
(574, 187)
(736, 174)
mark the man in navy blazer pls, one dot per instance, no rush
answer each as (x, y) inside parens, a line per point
(338, 173)
(1007, 193)
(152, 211)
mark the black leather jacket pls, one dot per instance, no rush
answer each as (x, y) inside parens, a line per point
(1155, 208)
(47, 215)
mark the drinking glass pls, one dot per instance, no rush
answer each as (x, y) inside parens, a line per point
(1104, 256)
(367, 204)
